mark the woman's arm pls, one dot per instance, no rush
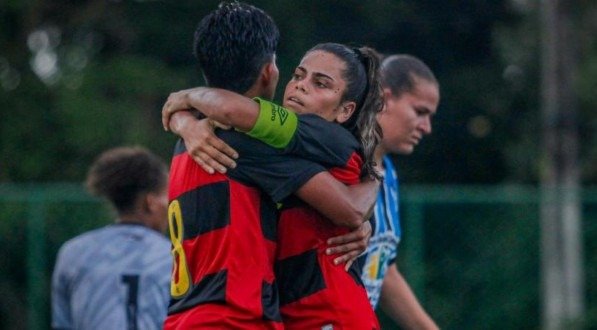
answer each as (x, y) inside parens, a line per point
(347, 206)
(399, 302)
(260, 119)
(223, 106)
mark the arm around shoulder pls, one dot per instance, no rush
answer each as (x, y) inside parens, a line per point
(226, 107)
(220, 105)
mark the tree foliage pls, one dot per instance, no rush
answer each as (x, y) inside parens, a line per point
(79, 77)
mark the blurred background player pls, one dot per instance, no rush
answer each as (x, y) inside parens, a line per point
(117, 277)
(411, 94)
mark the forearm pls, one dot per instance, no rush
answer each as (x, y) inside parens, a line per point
(399, 302)
(226, 107)
(346, 206)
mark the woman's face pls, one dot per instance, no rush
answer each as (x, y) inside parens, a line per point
(406, 119)
(317, 87)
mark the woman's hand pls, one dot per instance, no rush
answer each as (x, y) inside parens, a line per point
(350, 245)
(177, 101)
(209, 151)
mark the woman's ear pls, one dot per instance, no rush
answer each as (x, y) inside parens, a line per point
(273, 73)
(268, 80)
(347, 108)
(387, 93)
(267, 73)
(388, 97)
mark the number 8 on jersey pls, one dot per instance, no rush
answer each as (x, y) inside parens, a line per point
(181, 278)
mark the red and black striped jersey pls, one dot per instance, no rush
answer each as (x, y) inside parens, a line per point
(314, 293)
(224, 230)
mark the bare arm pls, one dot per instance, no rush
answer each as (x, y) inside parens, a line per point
(399, 302)
(347, 206)
(224, 106)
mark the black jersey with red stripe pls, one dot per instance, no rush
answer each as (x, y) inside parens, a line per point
(224, 230)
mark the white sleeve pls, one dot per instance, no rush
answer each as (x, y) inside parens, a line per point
(61, 313)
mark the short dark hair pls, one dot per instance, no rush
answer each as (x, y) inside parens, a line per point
(232, 44)
(122, 174)
(399, 73)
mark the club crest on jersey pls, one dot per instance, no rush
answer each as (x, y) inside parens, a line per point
(282, 114)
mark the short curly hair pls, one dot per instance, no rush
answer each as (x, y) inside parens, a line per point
(122, 174)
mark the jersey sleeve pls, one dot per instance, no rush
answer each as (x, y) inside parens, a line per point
(276, 173)
(307, 136)
(275, 125)
(61, 314)
(350, 173)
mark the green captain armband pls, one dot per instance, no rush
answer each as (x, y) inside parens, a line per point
(275, 125)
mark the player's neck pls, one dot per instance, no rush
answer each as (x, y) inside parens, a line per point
(131, 218)
(255, 91)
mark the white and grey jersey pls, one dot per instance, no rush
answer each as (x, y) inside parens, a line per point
(116, 277)
(383, 245)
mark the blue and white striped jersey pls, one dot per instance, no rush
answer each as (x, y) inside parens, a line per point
(115, 277)
(385, 237)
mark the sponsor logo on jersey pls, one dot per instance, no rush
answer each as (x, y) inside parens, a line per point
(281, 112)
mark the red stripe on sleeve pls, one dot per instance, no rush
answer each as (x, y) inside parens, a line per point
(350, 173)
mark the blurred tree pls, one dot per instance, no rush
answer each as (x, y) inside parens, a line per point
(80, 77)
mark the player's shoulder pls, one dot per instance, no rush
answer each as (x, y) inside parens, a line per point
(157, 240)
(79, 246)
(246, 144)
(84, 239)
(326, 129)
(154, 250)
(112, 233)
(314, 119)
(140, 232)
